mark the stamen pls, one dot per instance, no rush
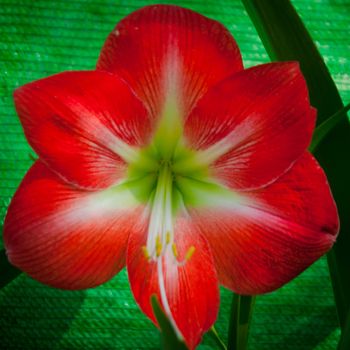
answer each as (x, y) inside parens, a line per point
(146, 252)
(189, 253)
(174, 249)
(159, 246)
(187, 257)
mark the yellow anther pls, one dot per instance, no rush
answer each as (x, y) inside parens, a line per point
(190, 252)
(159, 246)
(173, 247)
(145, 252)
(167, 239)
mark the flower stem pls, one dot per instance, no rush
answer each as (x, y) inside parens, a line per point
(241, 314)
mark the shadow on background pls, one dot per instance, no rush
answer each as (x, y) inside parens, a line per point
(311, 331)
(33, 316)
(301, 315)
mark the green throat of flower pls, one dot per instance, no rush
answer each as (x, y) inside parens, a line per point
(170, 171)
(170, 178)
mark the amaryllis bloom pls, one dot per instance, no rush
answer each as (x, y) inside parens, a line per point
(173, 160)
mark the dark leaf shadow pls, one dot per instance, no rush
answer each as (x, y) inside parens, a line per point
(7, 271)
(310, 332)
(34, 316)
(301, 315)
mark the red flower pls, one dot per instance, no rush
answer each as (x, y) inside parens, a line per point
(174, 160)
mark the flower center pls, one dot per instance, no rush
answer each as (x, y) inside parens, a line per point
(165, 201)
(167, 160)
(170, 179)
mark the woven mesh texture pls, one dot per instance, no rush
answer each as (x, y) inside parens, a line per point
(39, 38)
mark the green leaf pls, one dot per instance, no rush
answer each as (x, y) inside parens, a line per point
(170, 340)
(241, 314)
(215, 335)
(7, 271)
(326, 127)
(286, 38)
(344, 343)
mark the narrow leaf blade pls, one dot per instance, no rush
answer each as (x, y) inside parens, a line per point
(170, 340)
(286, 39)
(326, 127)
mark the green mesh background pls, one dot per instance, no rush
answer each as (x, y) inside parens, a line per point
(39, 38)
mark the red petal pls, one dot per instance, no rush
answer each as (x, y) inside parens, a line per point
(280, 231)
(260, 121)
(192, 289)
(75, 121)
(64, 237)
(145, 42)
